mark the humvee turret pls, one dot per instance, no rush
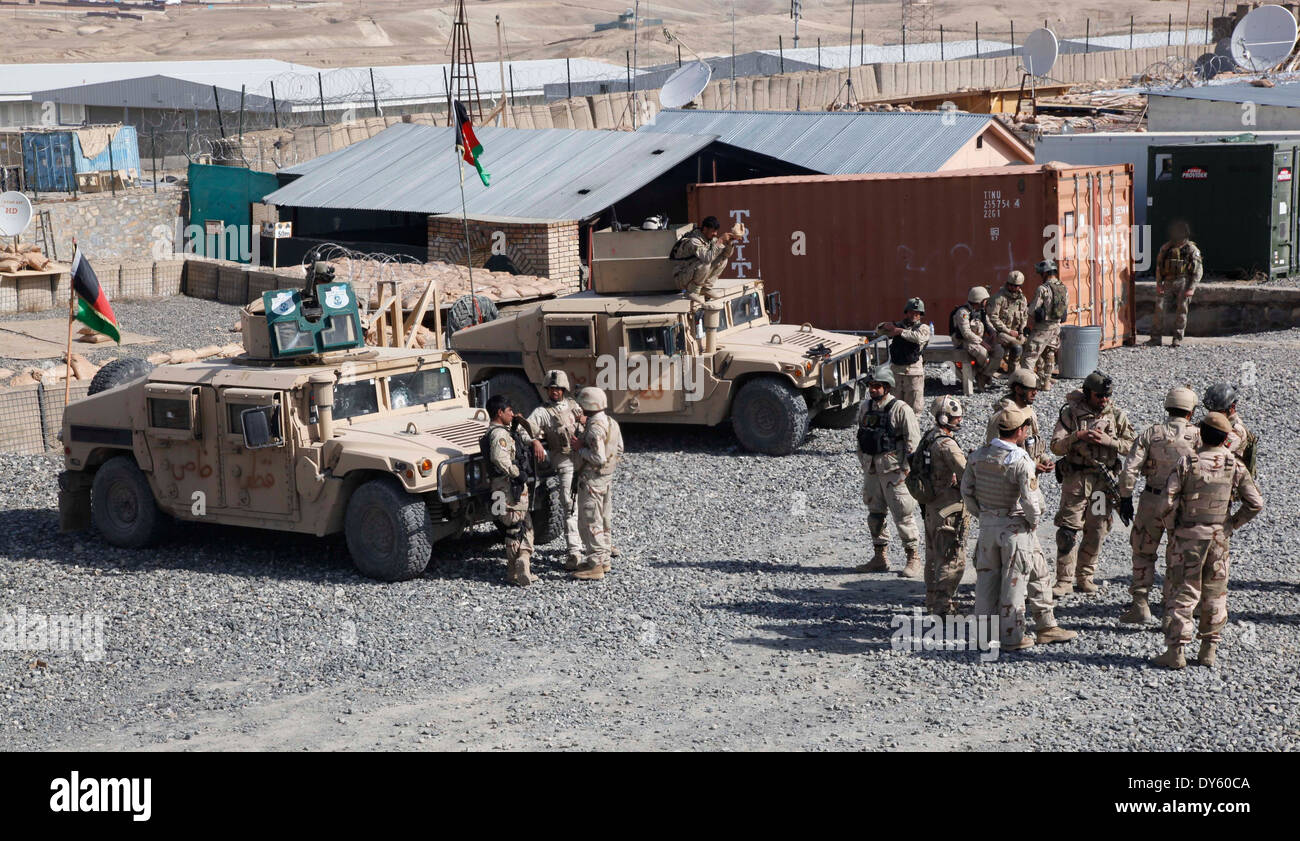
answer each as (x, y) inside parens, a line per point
(307, 431)
(663, 358)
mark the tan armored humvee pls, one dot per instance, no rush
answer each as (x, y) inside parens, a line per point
(307, 431)
(662, 358)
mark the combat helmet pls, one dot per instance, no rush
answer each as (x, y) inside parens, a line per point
(945, 409)
(1045, 267)
(977, 294)
(1219, 397)
(1180, 397)
(556, 379)
(592, 399)
(882, 374)
(1024, 377)
(1016, 278)
(1099, 383)
(914, 305)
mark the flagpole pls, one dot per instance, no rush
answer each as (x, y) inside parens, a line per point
(464, 215)
(72, 316)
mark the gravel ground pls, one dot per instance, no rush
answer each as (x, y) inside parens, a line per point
(732, 620)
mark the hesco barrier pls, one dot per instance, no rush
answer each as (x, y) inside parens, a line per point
(846, 251)
(121, 282)
(31, 416)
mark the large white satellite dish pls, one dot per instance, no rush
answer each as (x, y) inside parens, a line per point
(1263, 38)
(1040, 52)
(688, 82)
(15, 213)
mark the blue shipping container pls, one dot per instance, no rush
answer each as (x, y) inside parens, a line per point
(51, 159)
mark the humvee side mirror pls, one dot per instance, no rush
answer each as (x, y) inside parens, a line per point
(261, 427)
(774, 307)
(478, 394)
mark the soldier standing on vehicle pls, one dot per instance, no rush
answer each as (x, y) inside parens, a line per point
(935, 481)
(1222, 398)
(1008, 313)
(510, 490)
(599, 451)
(1000, 487)
(908, 339)
(887, 435)
(1154, 455)
(969, 330)
(560, 419)
(1198, 510)
(1178, 270)
(1091, 434)
(1050, 306)
(702, 256)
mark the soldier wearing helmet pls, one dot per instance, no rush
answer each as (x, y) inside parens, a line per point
(1008, 313)
(970, 331)
(559, 420)
(935, 478)
(999, 488)
(1178, 270)
(1154, 455)
(908, 339)
(1222, 397)
(598, 450)
(1049, 307)
(887, 435)
(1197, 509)
(1023, 393)
(1092, 436)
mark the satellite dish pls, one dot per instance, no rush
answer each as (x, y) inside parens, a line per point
(683, 86)
(15, 213)
(1263, 38)
(1040, 51)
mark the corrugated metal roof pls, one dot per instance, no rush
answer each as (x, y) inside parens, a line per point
(153, 92)
(837, 142)
(537, 174)
(1285, 95)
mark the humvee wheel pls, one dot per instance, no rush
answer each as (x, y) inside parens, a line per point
(118, 372)
(389, 531)
(548, 516)
(122, 506)
(523, 397)
(837, 418)
(770, 417)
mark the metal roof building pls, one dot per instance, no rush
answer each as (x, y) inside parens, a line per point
(845, 142)
(153, 92)
(1239, 106)
(537, 174)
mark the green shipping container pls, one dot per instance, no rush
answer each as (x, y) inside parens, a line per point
(1239, 199)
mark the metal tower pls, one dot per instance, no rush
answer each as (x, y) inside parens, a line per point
(464, 80)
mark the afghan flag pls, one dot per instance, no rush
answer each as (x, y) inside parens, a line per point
(467, 144)
(93, 309)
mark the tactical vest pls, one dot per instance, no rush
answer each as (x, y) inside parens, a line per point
(921, 481)
(558, 432)
(1207, 488)
(683, 249)
(1056, 308)
(1168, 446)
(876, 431)
(996, 489)
(613, 445)
(903, 352)
(1177, 261)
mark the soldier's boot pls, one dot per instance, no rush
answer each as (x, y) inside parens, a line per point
(1139, 613)
(1055, 634)
(519, 572)
(914, 568)
(1206, 655)
(573, 561)
(696, 297)
(1177, 342)
(1155, 341)
(1025, 642)
(877, 562)
(1172, 658)
(590, 571)
(1083, 576)
(613, 552)
(1064, 586)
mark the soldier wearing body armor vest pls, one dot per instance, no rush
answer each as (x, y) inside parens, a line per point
(559, 420)
(1091, 436)
(1049, 307)
(1222, 398)
(970, 331)
(1154, 455)
(510, 491)
(908, 339)
(701, 256)
(935, 481)
(1000, 487)
(887, 435)
(1178, 270)
(1008, 314)
(1023, 393)
(1197, 508)
(599, 450)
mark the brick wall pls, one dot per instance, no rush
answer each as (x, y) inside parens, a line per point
(544, 249)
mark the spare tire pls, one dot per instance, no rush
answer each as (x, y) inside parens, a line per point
(514, 385)
(462, 312)
(119, 372)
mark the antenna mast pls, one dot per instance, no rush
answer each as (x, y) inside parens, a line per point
(464, 78)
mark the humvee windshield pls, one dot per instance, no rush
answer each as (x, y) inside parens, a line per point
(745, 309)
(420, 387)
(355, 398)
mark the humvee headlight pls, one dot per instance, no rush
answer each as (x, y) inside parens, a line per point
(426, 467)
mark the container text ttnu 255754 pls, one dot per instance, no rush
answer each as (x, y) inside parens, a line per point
(846, 251)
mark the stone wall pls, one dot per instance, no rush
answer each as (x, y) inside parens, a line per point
(545, 249)
(1220, 309)
(119, 228)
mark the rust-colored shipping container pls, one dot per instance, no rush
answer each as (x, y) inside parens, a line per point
(846, 251)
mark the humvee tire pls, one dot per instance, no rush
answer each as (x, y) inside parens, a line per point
(769, 417)
(836, 418)
(389, 532)
(119, 372)
(548, 516)
(523, 397)
(122, 506)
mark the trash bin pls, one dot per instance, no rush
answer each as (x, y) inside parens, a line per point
(1080, 348)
